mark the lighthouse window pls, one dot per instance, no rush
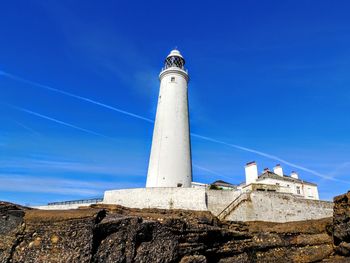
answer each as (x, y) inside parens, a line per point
(172, 79)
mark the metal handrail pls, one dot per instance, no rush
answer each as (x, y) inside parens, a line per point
(228, 209)
(81, 201)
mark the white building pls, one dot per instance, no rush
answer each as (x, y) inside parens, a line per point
(170, 159)
(277, 181)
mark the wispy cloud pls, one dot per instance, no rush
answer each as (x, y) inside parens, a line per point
(128, 113)
(210, 171)
(37, 164)
(270, 156)
(3, 138)
(25, 183)
(22, 183)
(340, 168)
(213, 140)
(32, 131)
(58, 121)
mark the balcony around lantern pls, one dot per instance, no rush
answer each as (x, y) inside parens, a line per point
(169, 67)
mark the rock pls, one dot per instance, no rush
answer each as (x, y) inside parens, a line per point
(43, 246)
(194, 259)
(341, 224)
(11, 229)
(110, 233)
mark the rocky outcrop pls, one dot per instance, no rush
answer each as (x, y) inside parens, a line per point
(341, 224)
(11, 229)
(106, 233)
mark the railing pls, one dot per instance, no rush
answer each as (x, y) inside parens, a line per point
(82, 201)
(228, 209)
(183, 68)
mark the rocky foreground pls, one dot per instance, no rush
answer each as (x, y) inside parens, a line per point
(106, 233)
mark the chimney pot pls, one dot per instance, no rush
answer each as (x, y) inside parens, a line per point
(251, 163)
(294, 175)
(278, 170)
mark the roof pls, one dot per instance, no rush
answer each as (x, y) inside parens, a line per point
(269, 174)
(223, 183)
(175, 53)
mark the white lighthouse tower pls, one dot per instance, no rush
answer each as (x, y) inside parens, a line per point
(170, 162)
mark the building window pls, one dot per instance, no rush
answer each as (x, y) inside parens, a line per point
(309, 192)
(172, 79)
(298, 190)
(179, 185)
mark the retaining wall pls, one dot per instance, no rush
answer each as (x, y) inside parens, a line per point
(280, 207)
(260, 206)
(218, 200)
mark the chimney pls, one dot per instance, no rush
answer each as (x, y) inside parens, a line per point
(278, 170)
(294, 175)
(251, 172)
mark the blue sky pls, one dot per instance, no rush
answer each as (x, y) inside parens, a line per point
(269, 81)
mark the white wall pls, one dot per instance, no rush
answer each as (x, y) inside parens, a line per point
(162, 198)
(311, 192)
(62, 207)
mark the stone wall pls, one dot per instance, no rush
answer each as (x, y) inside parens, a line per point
(218, 200)
(259, 206)
(161, 198)
(279, 207)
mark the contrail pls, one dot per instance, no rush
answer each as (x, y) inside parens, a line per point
(26, 128)
(266, 155)
(90, 132)
(210, 171)
(269, 156)
(32, 83)
(58, 121)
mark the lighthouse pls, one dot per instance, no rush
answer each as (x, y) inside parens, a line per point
(170, 163)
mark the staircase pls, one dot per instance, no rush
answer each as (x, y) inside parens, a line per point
(232, 206)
